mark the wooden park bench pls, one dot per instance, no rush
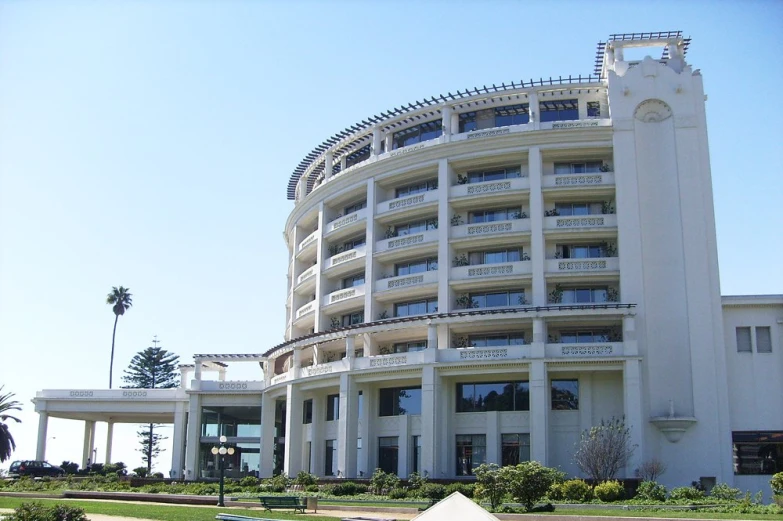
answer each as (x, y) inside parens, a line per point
(270, 502)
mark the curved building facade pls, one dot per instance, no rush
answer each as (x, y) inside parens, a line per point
(480, 277)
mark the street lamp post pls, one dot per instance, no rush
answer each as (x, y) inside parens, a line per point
(221, 450)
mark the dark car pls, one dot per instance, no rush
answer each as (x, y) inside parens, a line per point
(37, 469)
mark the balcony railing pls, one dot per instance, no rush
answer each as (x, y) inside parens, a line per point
(582, 265)
(406, 241)
(503, 269)
(306, 274)
(348, 220)
(408, 201)
(580, 222)
(231, 386)
(479, 354)
(343, 295)
(308, 241)
(306, 309)
(584, 350)
(490, 187)
(578, 180)
(491, 228)
(407, 281)
(346, 256)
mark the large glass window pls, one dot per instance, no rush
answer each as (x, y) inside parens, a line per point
(515, 448)
(417, 188)
(388, 452)
(358, 156)
(569, 209)
(495, 256)
(560, 110)
(498, 340)
(415, 227)
(332, 407)
(467, 122)
(758, 452)
(585, 336)
(417, 134)
(582, 251)
(417, 266)
(501, 214)
(495, 174)
(244, 462)
(583, 295)
(330, 458)
(231, 421)
(352, 318)
(498, 299)
(493, 396)
(420, 307)
(565, 395)
(353, 280)
(581, 167)
(512, 115)
(408, 347)
(307, 411)
(471, 452)
(398, 401)
(743, 340)
(593, 109)
(763, 340)
(354, 207)
(416, 459)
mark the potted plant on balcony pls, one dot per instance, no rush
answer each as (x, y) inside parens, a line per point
(390, 232)
(607, 207)
(432, 224)
(556, 295)
(456, 219)
(522, 301)
(552, 213)
(608, 249)
(335, 323)
(462, 179)
(525, 256)
(465, 301)
(612, 295)
(604, 167)
(461, 260)
(461, 342)
(383, 315)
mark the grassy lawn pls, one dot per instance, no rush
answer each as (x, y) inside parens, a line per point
(162, 512)
(687, 514)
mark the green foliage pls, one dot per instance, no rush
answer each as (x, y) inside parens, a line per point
(609, 491)
(140, 471)
(7, 444)
(651, 491)
(348, 488)
(305, 478)
(777, 483)
(116, 469)
(70, 467)
(380, 480)
(416, 481)
(40, 512)
(573, 490)
(723, 492)
(528, 482)
(398, 493)
(277, 483)
(249, 481)
(433, 491)
(603, 450)
(686, 494)
(489, 484)
(312, 488)
(466, 489)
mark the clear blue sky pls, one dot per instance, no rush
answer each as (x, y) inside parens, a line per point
(149, 143)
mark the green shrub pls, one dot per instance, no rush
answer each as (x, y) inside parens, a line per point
(277, 483)
(489, 484)
(416, 481)
(398, 493)
(380, 480)
(724, 492)
(312, 488)
(305, 478)
(347, 488)
(140, 471)
(609, 491)
(39, 512)
(529, 482)
(249, 481)
(777, 483)
(466, 489)
(573, 490)
(433, 491)
(651, 491)
(686, 494)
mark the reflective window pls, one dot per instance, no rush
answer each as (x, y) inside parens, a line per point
(583, 295)
(758, 452)
(511, 339)
(582, 167)
(512, 115)
(358, 156)
(494, 174)
(763, 340)
(417, 266)
(353, 280)
(354, 207)
(231, 421)
(493, 396)
(415, 227)
(565, 395)
(416, 459)
(593, 109)
(467, 122)
(388, 452)
(332, 407)
(582, 251)
(352, 318)
(585, 336)
(398, 401)
(495, 256)
(417, 134)
(502, 214)
(421, 307)
(471, 452)
(567, 209)
(515, 448)
(418, 188)
(409, 347)
(498, 299)
(330, 458)
(560, 110)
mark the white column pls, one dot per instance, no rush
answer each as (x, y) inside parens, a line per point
(632, 405)
(178, 441)
(328, 164)
(444, 225)
(364, 422)
(350, 347)
(343, 163)
(535, 116)
(267, 446)
(347, 427)
(538, 347)
(377, 139)
(430, 418)
(89, 442)
(317, 435)
(432, 336)
(446, 122)
(537, 249)
(539, 411)
(493, 437)
(630, 346)
(197, 370)
(585, 401)
(403, 444)
(109, 440)
(43, 427)
(293, 431)
(369, 265)
(193, 438)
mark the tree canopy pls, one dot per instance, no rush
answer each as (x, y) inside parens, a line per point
(7, 444)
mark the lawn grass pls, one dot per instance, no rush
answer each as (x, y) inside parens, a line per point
(157, 511)
(684, 514)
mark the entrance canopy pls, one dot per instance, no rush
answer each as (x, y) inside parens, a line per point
(456, 506)
(116, 405)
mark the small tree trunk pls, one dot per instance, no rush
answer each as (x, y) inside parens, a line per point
(149, 453)
(111, 362)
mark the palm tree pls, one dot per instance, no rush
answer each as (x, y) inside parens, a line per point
(120, 300)
(7, 444)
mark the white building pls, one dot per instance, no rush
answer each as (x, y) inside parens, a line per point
(480, 277)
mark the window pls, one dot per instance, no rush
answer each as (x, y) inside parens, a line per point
(560, 110)
(388, 450)
(502, 214)
(467, 122)
(565, 395)
(420, 307)
(493, 396)
(417, 266)
(409, 347)
(568, 209)
(353, 280)
(582, 167)
(330, 458)
(583, 295)
(332, 407)
(471, 452)
(416, 459)
(495, 256)
(416, 227)
(494, 174)
(763, 340)
(588, 336)
(743, 340)
(512, 115)
(512, 339)
(358, 156)
(582, 251)
(399, 401)
(758, 452)
(498, 299)
(417, 134)
(424, 186)
(352, 318)
(307, 411)
(354, 243)
(593, 109)
(354, 207)
(515, 448)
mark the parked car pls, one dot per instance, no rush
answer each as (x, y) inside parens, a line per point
(34, 468)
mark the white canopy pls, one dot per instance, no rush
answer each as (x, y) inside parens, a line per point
(454, 507)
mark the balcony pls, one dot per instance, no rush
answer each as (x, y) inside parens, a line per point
(308, 242)
(400, 204)
(580, 222)
(584, 350)
(343, 298)
(345, 261)
(351, 222)
(324, 368)
(504, 186)
(403, 285)
(395, 360)
(481, 271)
(406, 241)
(491, 229)
(568, 266)
(564, 181)
(484, 354)
(230, 386)
(305, 310)
(307, 274)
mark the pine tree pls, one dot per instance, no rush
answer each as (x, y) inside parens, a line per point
(153, 368)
